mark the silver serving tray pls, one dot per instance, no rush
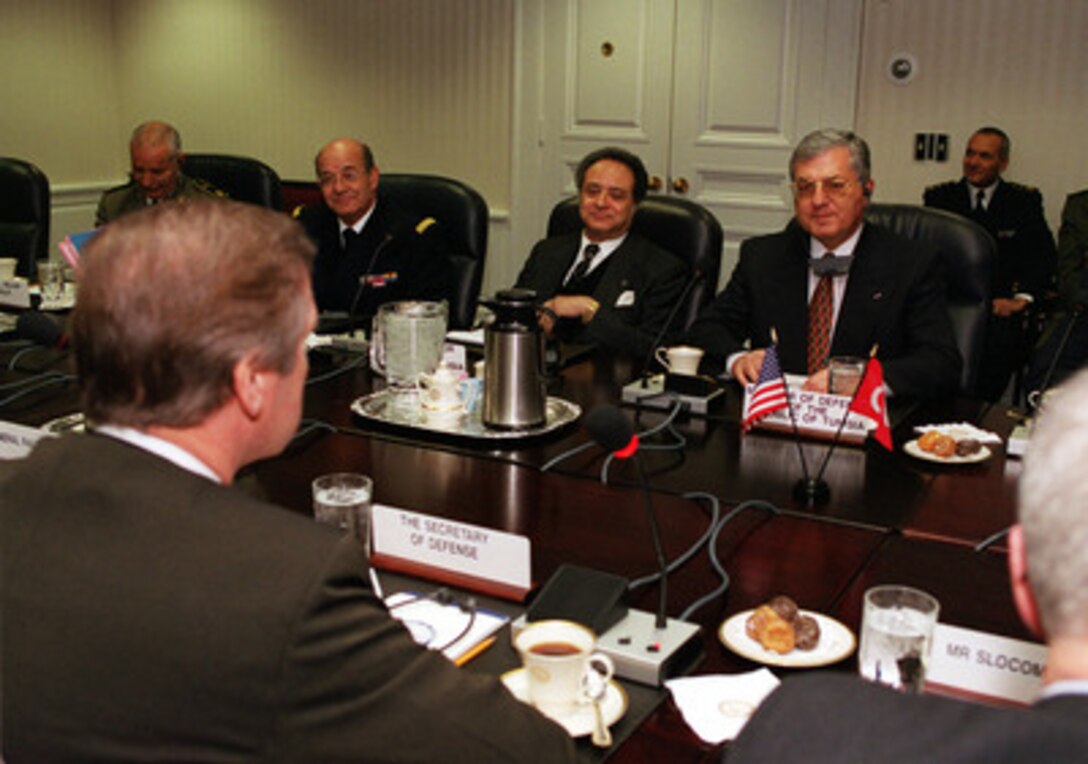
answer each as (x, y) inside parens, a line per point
(403, 409)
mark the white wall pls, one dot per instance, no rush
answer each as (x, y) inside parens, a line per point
(1019, 64)
(427, 82)
(431, 84)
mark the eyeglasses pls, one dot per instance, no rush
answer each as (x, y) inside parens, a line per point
(836, 188)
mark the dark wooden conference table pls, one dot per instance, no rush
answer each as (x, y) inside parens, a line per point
(890, 519)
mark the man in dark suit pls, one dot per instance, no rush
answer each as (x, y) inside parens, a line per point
(1063, 347)
(1024, 269)
(368, 251)
(826, 717)
(605, 285)
(156, 175)
(153, 612)
(875, 287)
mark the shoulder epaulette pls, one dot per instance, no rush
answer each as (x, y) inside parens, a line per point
(942, 186)
(208, 188)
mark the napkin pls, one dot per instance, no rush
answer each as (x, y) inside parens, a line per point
(717, 706)
(960, 430)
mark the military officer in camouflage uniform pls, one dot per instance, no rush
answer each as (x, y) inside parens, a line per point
(156, 174)
(1026, 257)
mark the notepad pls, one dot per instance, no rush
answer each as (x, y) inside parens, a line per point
(437, 626)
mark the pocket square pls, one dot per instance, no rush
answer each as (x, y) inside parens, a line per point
(626, 299)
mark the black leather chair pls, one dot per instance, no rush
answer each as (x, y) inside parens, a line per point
(463, 219)
(682, 227)
(242, 178)
(968, 251)
(24, 214)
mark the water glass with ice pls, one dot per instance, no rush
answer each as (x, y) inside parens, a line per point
(342, 500)
(897, 636)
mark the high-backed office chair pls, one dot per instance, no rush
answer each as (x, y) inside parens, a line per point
(462, 215)
(298, 194)
(968, 251)
(242, 178)
(24, 214)
(682, 227)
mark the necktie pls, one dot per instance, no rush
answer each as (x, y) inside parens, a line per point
(820, 310)
(349, 236)
(582, 268)
(980, 201)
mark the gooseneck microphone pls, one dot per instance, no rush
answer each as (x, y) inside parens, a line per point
(697, 275)
(364, 282)
(610, 429)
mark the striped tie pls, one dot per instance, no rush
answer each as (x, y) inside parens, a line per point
(820, 310)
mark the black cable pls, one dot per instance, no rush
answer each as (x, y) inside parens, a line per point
(443, 596)
(990, 540)
(35, 384)
(344, 369)
(716, 563)
(691, 551)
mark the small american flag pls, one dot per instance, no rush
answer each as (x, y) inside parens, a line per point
(769, 393)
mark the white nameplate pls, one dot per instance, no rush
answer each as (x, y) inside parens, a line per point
(985, 666)
(466, 555)
(16, 440)
(15, 293)
(818, 415)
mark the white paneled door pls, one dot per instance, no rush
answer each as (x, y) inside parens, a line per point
(712, 94)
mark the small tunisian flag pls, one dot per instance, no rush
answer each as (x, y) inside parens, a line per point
(869, 402)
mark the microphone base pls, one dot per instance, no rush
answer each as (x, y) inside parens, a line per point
(643, 653)
(813, 492)
(651, 393)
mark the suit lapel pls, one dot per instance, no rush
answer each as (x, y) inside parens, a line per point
(616, 278)
(555, 268)
(868, 290)
(790, 302)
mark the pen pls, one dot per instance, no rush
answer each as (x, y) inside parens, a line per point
(474, 652)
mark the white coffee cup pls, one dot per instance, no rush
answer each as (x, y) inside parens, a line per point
(7, 268)
(441, 391)
(681, 359)
(557, 655)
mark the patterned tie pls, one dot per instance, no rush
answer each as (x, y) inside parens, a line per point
(582, 268)
(820, 310)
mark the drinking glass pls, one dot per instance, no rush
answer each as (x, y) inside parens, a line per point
(342, 500)
(896, 636)
(844, 374)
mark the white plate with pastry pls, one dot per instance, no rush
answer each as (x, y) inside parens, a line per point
(836, 642)
(915, 450)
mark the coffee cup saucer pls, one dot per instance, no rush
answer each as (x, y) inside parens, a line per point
(579, 721)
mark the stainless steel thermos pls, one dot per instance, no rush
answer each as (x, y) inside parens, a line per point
(515, 386)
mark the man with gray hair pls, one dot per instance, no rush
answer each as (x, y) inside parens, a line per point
(156, 176)
(825, 717)
(153, 612)
(832, 284)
